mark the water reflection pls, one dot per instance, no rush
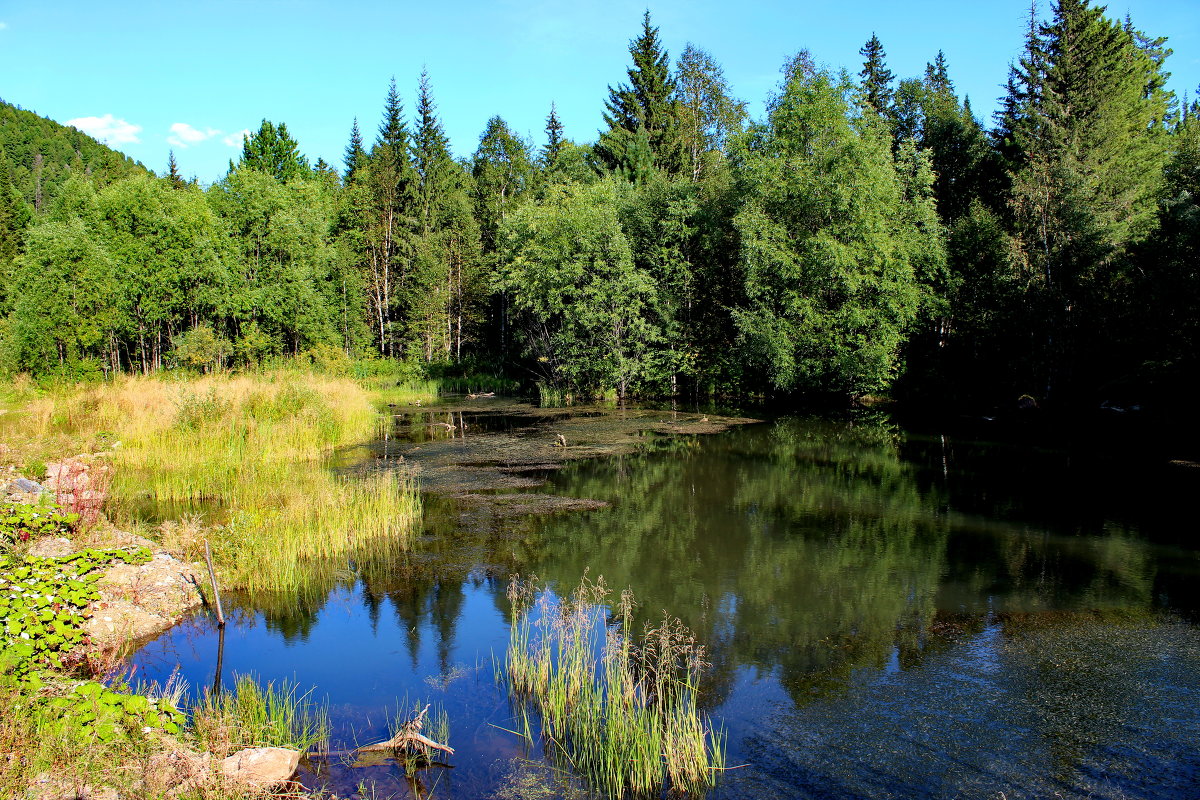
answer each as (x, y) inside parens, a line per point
(888, 614)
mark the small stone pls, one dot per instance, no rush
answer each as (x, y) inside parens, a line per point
(24, 485)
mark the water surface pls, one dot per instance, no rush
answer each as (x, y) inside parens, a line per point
(889, 613)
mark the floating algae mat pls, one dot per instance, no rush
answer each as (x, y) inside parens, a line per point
(465, 449)
(886, 612)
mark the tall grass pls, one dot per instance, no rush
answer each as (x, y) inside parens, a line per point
(406, 393)
(255, 445)
(622, 710)
(254, 715)
(551, 396)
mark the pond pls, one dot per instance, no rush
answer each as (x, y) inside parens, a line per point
(889, 612)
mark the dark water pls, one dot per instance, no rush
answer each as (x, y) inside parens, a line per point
(890, 614)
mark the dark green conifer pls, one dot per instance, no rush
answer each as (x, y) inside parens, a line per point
(173, 175)
(272, 150)
(647, 102)
(554, 139)
(876, 77)
(431, 155)
(355, 156)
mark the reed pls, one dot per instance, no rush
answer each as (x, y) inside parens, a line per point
(405, 393)
(257, 715)
(622, 710)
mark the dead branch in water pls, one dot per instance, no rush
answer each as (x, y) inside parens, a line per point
(409, 737)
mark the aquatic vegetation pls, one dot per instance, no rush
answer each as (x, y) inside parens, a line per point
(255, 715)
(622, 710)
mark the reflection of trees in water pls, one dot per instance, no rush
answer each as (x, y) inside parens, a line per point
(800, 546)
(808, 546)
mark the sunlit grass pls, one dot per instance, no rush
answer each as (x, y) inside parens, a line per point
(407, 393)
(256, 715)
(254, 445)
(622, 711)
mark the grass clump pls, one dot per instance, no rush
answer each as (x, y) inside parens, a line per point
(621, 709)
(254, 715)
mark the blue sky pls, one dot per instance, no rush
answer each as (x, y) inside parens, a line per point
(154, 76)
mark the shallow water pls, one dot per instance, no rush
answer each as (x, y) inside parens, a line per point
(889, 613)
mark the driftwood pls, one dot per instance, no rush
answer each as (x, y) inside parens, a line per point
(481, 394)
(409, 737)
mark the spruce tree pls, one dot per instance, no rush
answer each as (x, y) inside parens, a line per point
(646, 103)
(272, 150)
(385, 220)
(176, 180)
(431, 155)
(1085, 134)
(355, 156)
(554, 140)
(876, 77)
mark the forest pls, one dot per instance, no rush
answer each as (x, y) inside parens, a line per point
(869, 236)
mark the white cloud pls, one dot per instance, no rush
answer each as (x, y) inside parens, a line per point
(108, 129)
(235, 139)
(184, 134)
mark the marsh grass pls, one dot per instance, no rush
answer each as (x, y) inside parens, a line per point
(405, 393)
(621, 710)
(256, 445)
(257, 715)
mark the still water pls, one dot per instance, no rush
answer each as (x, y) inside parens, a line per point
(890, 613)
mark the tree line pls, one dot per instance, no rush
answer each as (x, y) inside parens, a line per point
(866, 235)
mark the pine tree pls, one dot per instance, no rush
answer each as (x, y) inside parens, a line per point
(355, 156)
(646, 103)
(876, 77)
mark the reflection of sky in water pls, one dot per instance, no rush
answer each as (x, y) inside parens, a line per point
(888, 616)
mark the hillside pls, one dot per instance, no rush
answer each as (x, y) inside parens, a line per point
(24, 136)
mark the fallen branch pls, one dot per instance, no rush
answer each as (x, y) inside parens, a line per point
(409, 737)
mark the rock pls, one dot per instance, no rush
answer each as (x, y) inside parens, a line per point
(261, 767)
(47, 787)
(52, 548)
(140, 600)
(24, 485)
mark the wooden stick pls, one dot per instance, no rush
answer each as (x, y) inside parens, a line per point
(212, 576)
